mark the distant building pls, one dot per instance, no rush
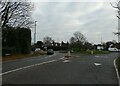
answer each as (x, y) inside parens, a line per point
(98, 47)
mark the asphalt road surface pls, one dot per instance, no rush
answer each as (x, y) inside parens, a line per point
(54, 69)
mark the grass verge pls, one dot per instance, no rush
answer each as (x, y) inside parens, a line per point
(92, 52)
(21, 56)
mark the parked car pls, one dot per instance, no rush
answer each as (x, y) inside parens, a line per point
(50, 52)
(113, 49)
(37, 49)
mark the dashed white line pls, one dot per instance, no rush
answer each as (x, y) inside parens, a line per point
(97, 64)
(27, 67)
(62, 58)
(66, 61)
(97, 56)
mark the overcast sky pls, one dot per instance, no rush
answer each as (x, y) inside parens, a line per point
(60, 20)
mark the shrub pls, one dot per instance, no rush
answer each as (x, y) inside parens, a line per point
(17, 40)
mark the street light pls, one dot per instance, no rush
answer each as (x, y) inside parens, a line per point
(35, 33)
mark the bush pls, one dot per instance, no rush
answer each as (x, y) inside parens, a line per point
(24, 40)
(17, 40)
(76, 49)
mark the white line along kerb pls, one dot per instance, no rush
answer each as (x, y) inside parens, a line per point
(117, 71)
(27, 67)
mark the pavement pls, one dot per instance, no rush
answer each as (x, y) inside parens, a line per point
(54, 69)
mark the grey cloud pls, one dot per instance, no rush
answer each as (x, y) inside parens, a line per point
(61, 20)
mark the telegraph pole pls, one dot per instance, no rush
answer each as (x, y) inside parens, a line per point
(35, 33)
(101, 40)
(118, 37)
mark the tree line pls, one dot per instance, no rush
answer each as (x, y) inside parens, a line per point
(78, 40)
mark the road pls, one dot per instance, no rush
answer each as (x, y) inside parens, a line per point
(80, 69)
(11, 65)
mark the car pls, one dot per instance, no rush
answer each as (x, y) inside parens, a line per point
(37, 49)
(113, 49)
(50, 52)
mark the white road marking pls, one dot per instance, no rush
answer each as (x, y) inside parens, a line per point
(97, 56)
(97, 64)
(118, 76)
(27, 67)
(62, 58)
(66, 61)
(102, 56)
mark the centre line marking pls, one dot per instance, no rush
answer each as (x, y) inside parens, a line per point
(27, 67)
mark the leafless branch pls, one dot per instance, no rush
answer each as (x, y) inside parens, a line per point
(15, 13)
(114, 6)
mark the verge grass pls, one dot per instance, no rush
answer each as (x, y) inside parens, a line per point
(90, 52)
(21, 56)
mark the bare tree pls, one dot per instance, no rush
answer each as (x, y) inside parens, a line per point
(47, 40)
(72, 40)
(78, 40)
(15, 14)
(79, 37)
(117, 6)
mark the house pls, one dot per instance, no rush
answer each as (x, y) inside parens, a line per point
(98, 47)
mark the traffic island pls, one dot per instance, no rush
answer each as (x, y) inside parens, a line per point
(66, 57)
(69, 57)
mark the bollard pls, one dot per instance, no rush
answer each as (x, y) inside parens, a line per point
(91, 52)
(68, 53)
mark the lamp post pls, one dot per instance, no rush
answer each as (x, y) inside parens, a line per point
(118, 37)
(35, 33)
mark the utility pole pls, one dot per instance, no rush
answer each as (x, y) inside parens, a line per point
(101, 40)
(35, 33)
(118, 37)
(118, 33)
